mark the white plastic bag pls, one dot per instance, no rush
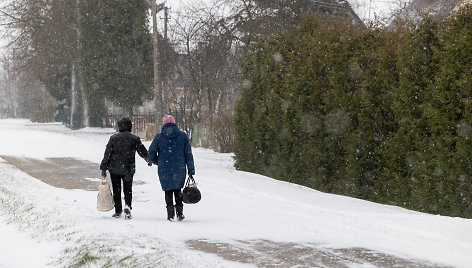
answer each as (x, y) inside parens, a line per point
(105, 198)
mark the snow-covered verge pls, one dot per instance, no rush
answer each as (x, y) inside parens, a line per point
(20, 250)
(68, 220)
(236, 207)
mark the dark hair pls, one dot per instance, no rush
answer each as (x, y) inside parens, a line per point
(124, 124)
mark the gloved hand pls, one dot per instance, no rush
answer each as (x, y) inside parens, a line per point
(149, 163)
(104, 173)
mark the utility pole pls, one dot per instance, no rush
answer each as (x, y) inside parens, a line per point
(164, 66)
(166, 21)
(155, 46)
(370, 3)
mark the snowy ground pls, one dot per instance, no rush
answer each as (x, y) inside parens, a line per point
(242, 220)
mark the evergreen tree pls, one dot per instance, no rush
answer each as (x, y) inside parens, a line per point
(451, 118)
(379, 114)
(252, 113)
(407, 181)
(115, 52)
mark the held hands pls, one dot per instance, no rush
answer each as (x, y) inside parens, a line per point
(149, 163)
(104, 173)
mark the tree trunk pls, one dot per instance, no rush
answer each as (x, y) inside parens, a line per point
(79, 74)
(10, 100)
(85, 100)
(73, 98)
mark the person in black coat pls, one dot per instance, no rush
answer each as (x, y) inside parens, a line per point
(119, 159)
(171, 151)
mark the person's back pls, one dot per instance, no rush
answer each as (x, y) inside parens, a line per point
(173, 154)
(122, 159)
(119, 159)
(171, 151)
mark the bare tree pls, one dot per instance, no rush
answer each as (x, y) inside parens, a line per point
(210, 41)
(207, 61)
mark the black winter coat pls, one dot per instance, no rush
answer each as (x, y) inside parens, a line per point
(119, 157)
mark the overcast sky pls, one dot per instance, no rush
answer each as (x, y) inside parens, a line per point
(379, 8)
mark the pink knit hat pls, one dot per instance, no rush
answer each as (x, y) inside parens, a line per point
(168, 119)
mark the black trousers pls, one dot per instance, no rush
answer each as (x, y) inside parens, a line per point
(170, 202)
(127, 190)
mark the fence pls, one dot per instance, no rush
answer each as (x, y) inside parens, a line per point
(76, 120)
(144, 126)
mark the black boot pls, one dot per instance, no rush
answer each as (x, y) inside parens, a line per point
(117, 212)
(170, 213)
(127, 212)
(180, 212)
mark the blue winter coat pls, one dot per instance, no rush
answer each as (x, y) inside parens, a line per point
(171, 151)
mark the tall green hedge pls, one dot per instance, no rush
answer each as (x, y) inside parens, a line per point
(378, 114)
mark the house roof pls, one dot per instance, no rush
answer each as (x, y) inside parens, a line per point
(461, 4)
(334, 7)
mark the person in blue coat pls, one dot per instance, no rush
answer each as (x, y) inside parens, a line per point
(170, 150)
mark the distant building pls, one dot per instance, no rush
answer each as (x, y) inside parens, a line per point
(418, 8)
(461, 4)
(333, 7)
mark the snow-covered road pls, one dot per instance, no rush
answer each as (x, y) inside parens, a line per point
(243, 219)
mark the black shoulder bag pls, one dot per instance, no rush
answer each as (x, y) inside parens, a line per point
(191, 194)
